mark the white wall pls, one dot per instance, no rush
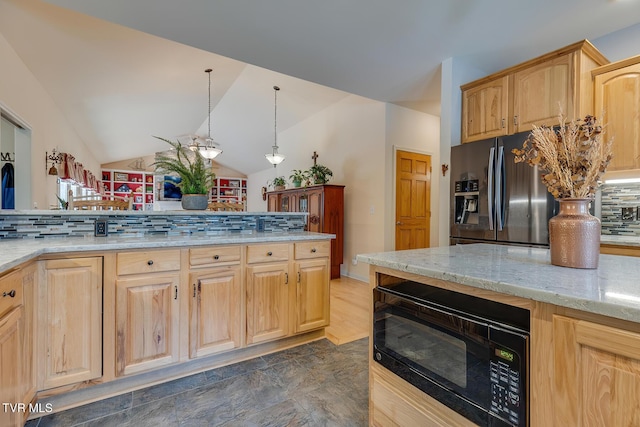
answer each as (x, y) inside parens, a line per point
(21, 93)
(411, 130)
(349, 139)
(356, 139)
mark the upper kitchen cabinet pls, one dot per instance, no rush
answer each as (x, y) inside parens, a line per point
(531, 93)
(484, 110)
(617, 100)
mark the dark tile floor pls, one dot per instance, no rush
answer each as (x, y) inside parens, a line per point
(316, 384)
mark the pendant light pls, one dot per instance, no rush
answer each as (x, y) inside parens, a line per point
(209, 150)
(274, 157)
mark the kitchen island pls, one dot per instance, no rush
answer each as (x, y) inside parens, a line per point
(161, 297)
(584, 338)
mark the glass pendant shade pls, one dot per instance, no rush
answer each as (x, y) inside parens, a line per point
(274, 157)
(209, 150)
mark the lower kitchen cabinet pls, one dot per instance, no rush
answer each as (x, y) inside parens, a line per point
(11, 357)
(267, 302)
(70, 321)
(216, 315)
(147, 322)
(312, 287)
(17, 380)
(597, 374)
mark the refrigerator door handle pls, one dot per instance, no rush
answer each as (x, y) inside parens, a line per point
(492, 153)
(500, 177)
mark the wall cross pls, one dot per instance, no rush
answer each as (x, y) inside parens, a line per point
(315, 158)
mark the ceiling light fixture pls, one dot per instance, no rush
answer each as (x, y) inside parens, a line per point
(274, 157)
(209, 150)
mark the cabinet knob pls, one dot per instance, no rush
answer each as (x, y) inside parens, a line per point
(150, 262)
(269, 253)
(313, 250)
(216, 257)
(11, 293)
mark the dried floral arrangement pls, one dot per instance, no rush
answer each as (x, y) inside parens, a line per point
(572, 157)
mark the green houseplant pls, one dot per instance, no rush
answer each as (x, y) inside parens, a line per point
(298, 176)
(279, 183)
(196, 178)
(320, 174)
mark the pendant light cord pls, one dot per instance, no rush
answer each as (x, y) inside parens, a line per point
(208, 71)
(275, 116)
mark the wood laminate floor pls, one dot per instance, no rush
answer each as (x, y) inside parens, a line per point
(323, 383)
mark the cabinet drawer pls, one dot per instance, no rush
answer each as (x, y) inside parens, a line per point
(10, 285)
(305, 250)
(267, 253)
(214, 255)
(147, 262)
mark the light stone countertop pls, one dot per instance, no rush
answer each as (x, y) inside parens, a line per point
(14, 252)
(620, 240)
(613, 289)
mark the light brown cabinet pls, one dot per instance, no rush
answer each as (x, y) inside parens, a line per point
(325, 205)
(485, 110)
(70, 321)
(312, 287)
(597, 373)
(17, 381)
(216, 313)
(531, 93)
(617, 104)
(147, 311)
(267, 276)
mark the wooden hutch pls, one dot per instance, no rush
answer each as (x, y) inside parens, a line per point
(325, 205)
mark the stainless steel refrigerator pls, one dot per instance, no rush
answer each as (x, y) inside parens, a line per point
(495, 200)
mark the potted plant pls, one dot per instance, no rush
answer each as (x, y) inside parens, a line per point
(196, 179)
(320, 174)
(298, 176)
(279, 183)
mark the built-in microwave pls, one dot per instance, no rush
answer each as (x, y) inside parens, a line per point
(469, 353)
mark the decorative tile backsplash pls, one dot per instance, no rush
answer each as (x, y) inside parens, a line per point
(33, 224)
(620, 203)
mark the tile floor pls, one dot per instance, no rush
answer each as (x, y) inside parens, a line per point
(316, 384)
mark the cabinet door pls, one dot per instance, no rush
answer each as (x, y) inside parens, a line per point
(147, 322)
(541, 92)
(312, 294)
(315, 220)
(617, 96)
(10, 366)
(272, 202)
(267, 302)
(484, 110)
(27, 373)
(71, 297)
(597, 374)
(215, 312)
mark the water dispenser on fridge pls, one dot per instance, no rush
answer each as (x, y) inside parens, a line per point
(466, 202)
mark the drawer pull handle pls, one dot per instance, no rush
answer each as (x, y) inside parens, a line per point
(150, 262)
(176, 292)
(313, 250)
(269, 253)
(11, 293)
(216, 257)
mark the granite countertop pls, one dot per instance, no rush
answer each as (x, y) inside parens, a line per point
(611, 290)
(619, 240)
(14, 252)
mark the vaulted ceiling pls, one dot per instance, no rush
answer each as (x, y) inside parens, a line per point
(124, 70)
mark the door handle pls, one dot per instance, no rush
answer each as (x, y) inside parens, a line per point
(399, 223)
(492, 152)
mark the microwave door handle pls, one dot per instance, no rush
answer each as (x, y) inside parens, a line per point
(499, 189)
(492, 153)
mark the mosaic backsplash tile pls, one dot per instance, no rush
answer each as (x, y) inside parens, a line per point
(37, 225)
(620, 203)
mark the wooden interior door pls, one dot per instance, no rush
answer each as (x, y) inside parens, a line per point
(413, 200)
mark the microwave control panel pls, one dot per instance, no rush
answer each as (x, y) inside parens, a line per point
(507, 399)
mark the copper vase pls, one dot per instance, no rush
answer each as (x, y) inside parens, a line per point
(574, 235)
